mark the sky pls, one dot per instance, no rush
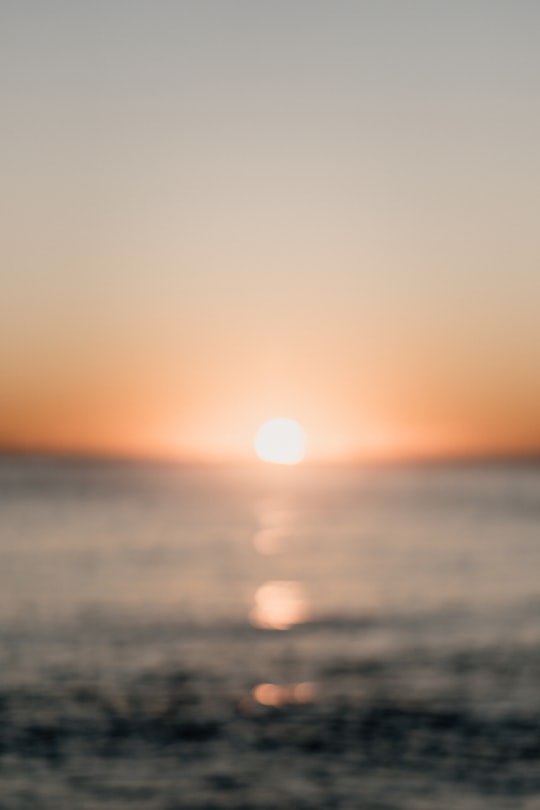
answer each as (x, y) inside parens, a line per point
(219, 211)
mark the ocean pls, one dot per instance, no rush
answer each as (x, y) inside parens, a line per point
(250, 636)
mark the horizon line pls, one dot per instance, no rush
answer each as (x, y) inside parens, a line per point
(138, 457)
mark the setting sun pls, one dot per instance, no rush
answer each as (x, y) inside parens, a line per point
(280, 441)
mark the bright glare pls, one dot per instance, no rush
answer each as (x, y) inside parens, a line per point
(273, 694)
(280, 441)
(279, 605)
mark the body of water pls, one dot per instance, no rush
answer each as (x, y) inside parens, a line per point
(263, 637)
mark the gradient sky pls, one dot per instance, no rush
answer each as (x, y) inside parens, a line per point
(217, 211)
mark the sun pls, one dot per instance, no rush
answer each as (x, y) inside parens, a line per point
(280, 441)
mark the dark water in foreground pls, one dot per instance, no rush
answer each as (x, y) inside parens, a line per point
(269, 638)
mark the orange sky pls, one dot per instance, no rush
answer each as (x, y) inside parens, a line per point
(218, 213)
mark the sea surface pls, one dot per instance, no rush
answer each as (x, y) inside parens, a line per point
(264, 637)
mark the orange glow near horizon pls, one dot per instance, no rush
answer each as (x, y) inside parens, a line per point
(145, 412)
(140, 432)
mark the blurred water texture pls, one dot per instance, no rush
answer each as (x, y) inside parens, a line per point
(238, 637)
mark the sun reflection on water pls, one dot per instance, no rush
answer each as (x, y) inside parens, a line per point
(273, 694)
(276, 523)
(269, 541)
(279, 605)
